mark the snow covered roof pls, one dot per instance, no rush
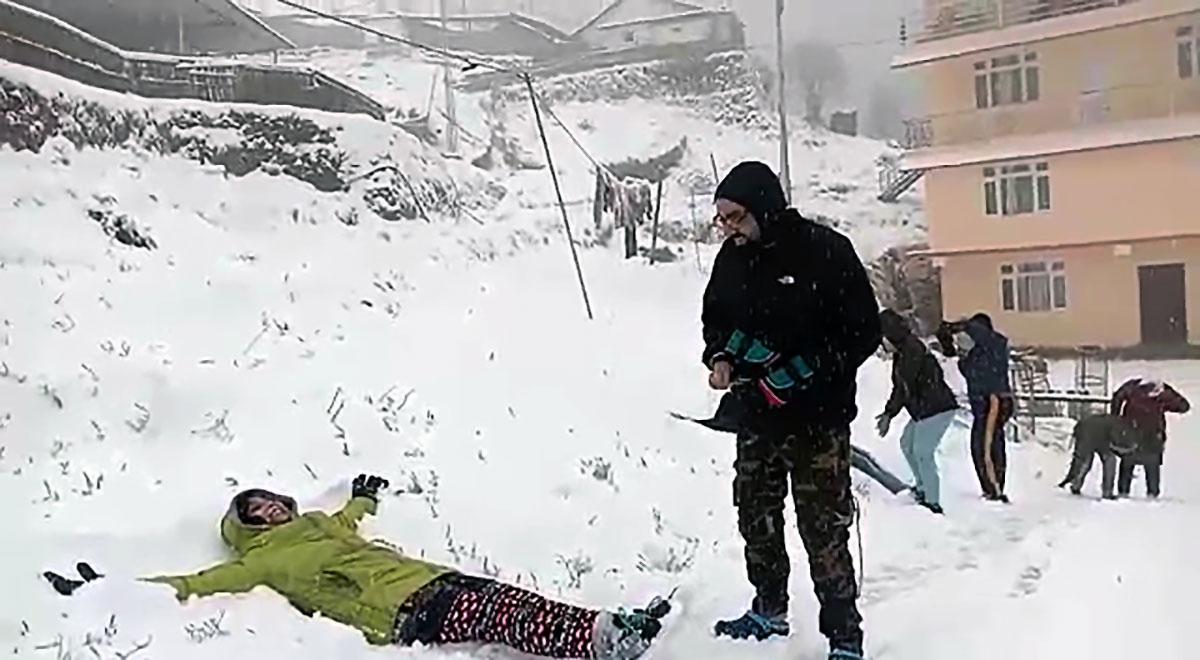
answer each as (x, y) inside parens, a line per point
(664, 19)
(1087, 138)
(670, 7)
(112, 20)
(541, 27)
(1058, 245)
(1089, 21)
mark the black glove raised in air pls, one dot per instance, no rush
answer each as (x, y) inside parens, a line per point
(367, 486)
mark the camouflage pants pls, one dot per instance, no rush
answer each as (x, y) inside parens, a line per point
(817, 461)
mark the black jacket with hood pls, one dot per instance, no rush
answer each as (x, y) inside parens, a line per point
(803, 292)
(918, 383)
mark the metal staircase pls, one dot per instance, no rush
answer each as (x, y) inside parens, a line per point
(894, 182)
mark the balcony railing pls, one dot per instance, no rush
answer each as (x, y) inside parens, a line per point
(942, 19)
(1054, 114)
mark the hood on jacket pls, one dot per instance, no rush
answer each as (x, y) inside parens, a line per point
(754, 186)
(895, 328)
(979, 327)
(237, 531)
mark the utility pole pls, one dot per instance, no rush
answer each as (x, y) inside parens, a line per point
(785, 167)
(451, 112)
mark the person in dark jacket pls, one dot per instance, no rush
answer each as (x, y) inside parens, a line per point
(1143, 403)
(918, 386)
(1105, 436)
(984, 362)
(789, 317)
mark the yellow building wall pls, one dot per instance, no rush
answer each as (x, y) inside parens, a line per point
(1127, 72)
(1103, 294)
(1109, 194)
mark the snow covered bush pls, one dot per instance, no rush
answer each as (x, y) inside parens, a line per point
(327, 152)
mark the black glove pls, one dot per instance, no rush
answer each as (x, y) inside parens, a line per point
(945, 337)
(368, 487)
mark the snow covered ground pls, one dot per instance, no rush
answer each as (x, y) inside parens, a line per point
(266, 343)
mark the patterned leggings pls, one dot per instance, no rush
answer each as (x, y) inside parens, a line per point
(458, 609)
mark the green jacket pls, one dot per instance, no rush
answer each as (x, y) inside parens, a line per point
(320, 564)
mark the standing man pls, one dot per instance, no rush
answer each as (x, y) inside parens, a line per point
(983, 360)
(789, 317)
(1143, 403)
(918, 386)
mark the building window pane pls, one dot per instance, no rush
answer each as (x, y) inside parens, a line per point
(1040, 288)
(1023, 194)
(981, 92)
(1023, 295)
(1007, 295)
(1006, 203)
(1032, 84)
(1186, 62)
(1060, 292)
(989, 198)
(1043, 193)
(1007, 87)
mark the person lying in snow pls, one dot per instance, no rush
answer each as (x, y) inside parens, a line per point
(321, 565)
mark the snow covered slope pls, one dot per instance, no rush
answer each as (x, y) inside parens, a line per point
(264, 342)
(833, 175)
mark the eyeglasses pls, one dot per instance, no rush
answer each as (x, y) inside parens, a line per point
(732, 220)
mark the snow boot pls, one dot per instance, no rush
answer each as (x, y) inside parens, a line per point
(752, 624)
(936, 508)
(64, 586)
(624, 635)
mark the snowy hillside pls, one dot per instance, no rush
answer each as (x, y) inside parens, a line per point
(263, 341)
(833, 175)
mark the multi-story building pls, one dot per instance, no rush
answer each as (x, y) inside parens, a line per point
(1060, 154)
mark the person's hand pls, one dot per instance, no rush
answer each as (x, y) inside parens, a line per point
(883, 423)
(367, 486)
(722, 376)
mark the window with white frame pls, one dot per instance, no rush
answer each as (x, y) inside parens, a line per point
(1007, 80)
(1187, 50)
(1033, 286)
(1016, 189)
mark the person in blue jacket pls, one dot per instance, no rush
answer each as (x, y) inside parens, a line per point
(983, 359)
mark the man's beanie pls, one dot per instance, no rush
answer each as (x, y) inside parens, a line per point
(753, 185)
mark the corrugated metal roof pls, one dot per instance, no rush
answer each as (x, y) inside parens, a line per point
(116, 21)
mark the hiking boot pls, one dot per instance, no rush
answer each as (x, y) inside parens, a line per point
(624, 635)
(752, 624)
